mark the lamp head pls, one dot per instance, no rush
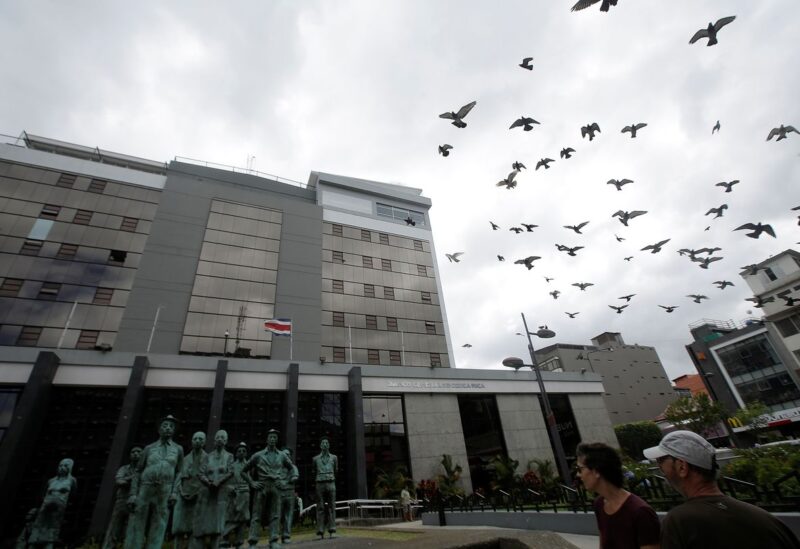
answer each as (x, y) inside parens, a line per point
(545, 333)
(513, 362)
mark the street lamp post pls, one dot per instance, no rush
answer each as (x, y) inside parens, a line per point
(226, 343)
(550, 418)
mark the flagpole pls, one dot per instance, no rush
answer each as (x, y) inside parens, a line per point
(291, 344)
(64, 332)
(153, 329)
(402, 348)
(350, 341)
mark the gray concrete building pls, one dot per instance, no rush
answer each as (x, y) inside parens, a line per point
(130, 289)
(636, 386)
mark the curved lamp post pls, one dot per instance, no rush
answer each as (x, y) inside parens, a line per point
(550, 418)
(582, 356)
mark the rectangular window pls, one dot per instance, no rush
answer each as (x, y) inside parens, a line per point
(29, 336)
(436, 360)
(31, 247)
(67, 251)
(82, 217)
(97, 186)
(422, 270)
(338, 354)
(373, 356)
(41, 228)
(430, 328)
(366, 235)
(338, 257)
(87, 339)
(789, 326)
(394, 358)
(49, 291)
(102, 296)
(384, 238)
(426, 297)
(336, 230)
(386, 264)
(388, 293)
(366, 262)
(391, 323)
(372, 322)
(418, 245)
(401, 214)
(770, 274)
(338, 318)
(66, 180)
(10, 287)
(338, 286)
(50, 211)
(117, 256)
(369, 290)
(129, 224)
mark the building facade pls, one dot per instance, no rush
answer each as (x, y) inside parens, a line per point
(130, 289)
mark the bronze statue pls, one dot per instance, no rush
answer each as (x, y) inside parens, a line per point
(209, 518)
(324, 468)
(119, 514)
(47, 524)
(188, 489)
(153, 489)
(267, 468)
(288, 502)
(22, 539)
(238, 512)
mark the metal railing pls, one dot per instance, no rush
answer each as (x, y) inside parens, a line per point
(236, 169)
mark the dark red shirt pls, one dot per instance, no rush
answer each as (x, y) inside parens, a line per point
(633, 525)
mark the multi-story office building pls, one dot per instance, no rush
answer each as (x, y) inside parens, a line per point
(130, 289)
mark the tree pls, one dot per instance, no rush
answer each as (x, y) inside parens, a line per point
(389, 485)
(754, 416)
(636, 436)
(697, 413)
(504, 472)
(448, 482)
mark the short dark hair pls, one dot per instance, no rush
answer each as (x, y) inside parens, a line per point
(602, 458)
(709, 475)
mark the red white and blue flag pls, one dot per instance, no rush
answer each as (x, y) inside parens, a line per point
(279, 326)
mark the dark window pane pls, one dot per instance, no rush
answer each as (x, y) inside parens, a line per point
(129, 224)
(384, 238)
(31, 247)
(395, 358)
(388, 293)
(67, 251)
(366, 262)
(430, 328)
(338, 257)
(10, 287)
(29, 336)
(787, 327)
(50, 211)
(418, 245)
(483, 434)
(66, 180)
(422, 270)
(87, 339)
(386, 264)
(365, 235)
(117, 256)
(369, 290)
(372, 322)
(426, 297)
(373, 356)
(97, 186)
(82, 217)
(391, 323)
(49, 291)
(338, 319)
(102, 296)
(338, 286)
(436, 360)
(338, 354)
(337, 230)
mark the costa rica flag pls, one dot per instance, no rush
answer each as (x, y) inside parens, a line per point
(279, 326)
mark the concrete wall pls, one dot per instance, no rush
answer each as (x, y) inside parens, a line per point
(592, 419)
(524, 428)
(434, 428)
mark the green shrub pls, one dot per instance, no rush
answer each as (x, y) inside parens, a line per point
(635, 437)
(763, 466)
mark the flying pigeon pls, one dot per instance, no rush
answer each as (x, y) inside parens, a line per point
(467, 346)
(717, 211)
(727, 185)
(790, 301)
(715, 128)
(618, 309)
(583, 285)
(544, 162)
(757, 229)
(760, 301)
(555, 294)
(577, 228)
(529, 226)
(508, 182)
(583, 4)
(517, 230)
(781, 132)
(453, 258)
(618, 183)
(525, 121)
(633, 128)
(526, 63)
(751, 269)
(500, 258)
(444, 150)
(697, 298)
(571, 315)
(457, 117)
(410, 221)
(655, 248)
(570, 251)
(627, 298)
(590, 130)
(548, 279)
(628, 258)
(495, 226)
(517, 166)
(669, 308)
(566, 152)
(721, 284)
(528, 261)
(619, 238)
(705, 262)
(711, 31)
(624, 217)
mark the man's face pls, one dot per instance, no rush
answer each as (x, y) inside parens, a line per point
(241, 453)
(167, 428)
(272, 439)
(135, 454)
(669, 467)
(324, 444)
(63, 468)
(198, 440)
(221, 439)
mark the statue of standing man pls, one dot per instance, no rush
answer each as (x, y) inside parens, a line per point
(209, 519)
(188, 489)
(267, 469)
(47, 524)
(153, 489)
(122, 490)
(324, 468)
(238, 514)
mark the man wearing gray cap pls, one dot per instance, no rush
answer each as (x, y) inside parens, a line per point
(709, 518)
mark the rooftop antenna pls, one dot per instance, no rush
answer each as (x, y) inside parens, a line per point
(251, 160)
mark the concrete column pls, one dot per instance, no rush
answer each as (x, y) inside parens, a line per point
(290, 405)
(16, 449)
(356, 450)
(129, 417)
(215, 415)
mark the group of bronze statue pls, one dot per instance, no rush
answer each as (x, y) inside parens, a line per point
(216, 497)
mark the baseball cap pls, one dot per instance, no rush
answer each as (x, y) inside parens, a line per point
(685, 445)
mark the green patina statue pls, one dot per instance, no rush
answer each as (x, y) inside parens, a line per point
(188, 488)
(215, 474)
(237, 517)
(119, 514)
(44, 531)
(288, 502)
(324, 468)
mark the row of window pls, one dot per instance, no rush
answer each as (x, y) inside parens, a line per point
(49, 291)
(337, 287)
(373, 357)
(366, 235)
(372, 323)
(789, 326)
(84, 217)
(68, 251)
(368, 263)
(67, 180)
(29, 337)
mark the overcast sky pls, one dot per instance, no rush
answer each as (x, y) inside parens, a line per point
(355, 88)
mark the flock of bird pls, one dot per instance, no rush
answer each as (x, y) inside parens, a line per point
(703, 257)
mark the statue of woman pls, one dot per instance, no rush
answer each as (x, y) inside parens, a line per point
(47, 525)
